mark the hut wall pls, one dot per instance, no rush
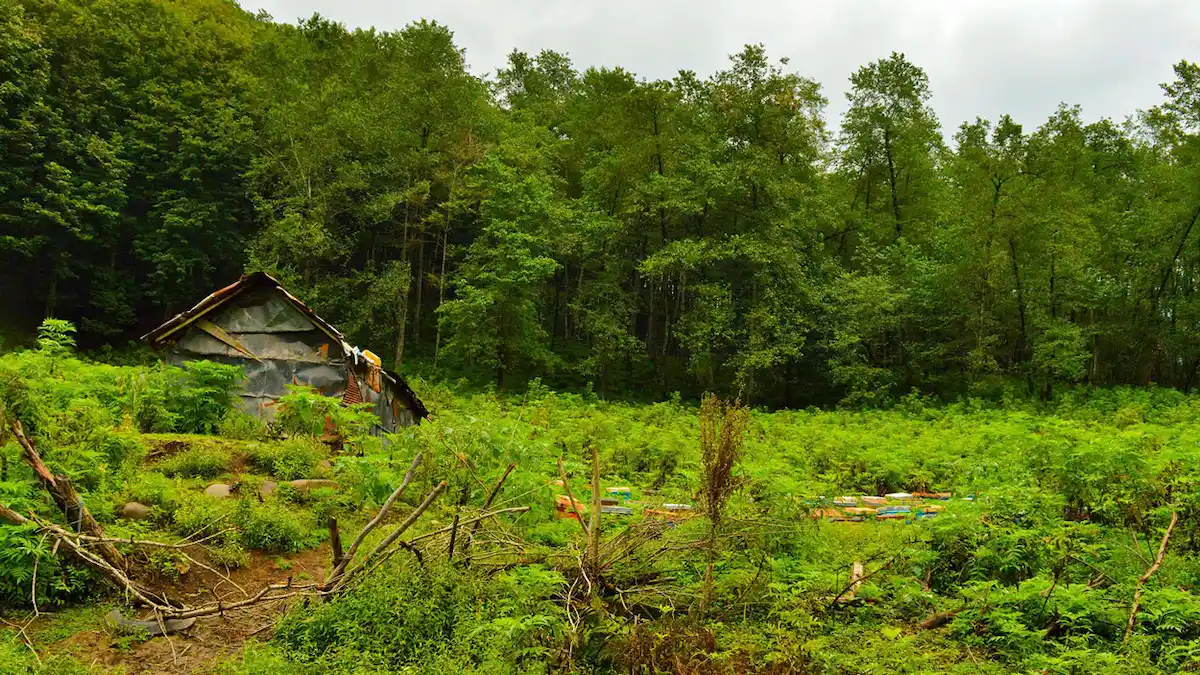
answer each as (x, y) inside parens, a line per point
(290, 349)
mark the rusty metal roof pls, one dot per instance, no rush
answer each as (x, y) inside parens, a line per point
(222, 295)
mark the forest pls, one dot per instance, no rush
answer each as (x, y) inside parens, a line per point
(586, 226)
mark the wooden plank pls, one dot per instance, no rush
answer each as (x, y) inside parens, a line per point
(220, 333)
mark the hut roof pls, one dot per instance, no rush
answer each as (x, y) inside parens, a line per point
(219, 297)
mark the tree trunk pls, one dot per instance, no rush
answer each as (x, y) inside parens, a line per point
(1023, 342)
(887, 145)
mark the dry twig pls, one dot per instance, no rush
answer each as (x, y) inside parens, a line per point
(1141, 584)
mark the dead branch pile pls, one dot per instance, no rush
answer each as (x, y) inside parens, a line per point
(86, 544)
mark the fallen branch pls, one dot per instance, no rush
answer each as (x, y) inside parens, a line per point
(143, 542)
(66, 497)
(1141, 584)
(574, 506)
(81, 554)
(486, 505)
(485, 516)
(408, 522)
(24, 637)
(341, 565)
(336, 584)
(261, 596)
(939, 620)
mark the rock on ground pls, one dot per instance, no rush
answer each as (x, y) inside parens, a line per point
(306, 484)
(218, 490)
(134, 511)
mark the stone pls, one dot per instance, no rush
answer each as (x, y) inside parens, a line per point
(324, 468)
(306, 484)
(218, 490)
(147, 627)
(268, 488)
(135, 511)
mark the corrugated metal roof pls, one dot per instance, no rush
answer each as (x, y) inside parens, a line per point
(222, 295)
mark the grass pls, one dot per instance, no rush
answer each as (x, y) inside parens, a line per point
(1037, 570)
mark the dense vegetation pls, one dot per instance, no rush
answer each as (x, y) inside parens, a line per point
(1007, 315)
(706, 232)
(1036, 573)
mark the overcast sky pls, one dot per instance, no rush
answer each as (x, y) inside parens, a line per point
(984, 58)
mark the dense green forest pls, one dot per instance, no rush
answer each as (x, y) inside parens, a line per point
(708, 232)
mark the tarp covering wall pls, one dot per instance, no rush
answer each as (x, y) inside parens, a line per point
(278, 341)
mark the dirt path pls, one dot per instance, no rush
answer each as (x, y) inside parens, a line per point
(211, 639)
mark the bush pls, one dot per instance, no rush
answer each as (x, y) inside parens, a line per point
(304, 412)
(16, 659)
(57, 583)
(272, 528)
(198, 462)
(155, 489)
(290, 459)
(200, 515)
(205, 394)
(430, 620)
(238, 425)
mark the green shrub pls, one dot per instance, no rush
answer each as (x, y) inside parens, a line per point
(205, 393)
(198, 462)
(229, 554)
(57, 583)
(200, 515)
(154, 489)
(428, 620)
(16, 659)
(273, 528)
(238, 425)
(290, 459)
(304, 412)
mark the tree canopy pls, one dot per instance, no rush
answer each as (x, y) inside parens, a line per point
(589, 226)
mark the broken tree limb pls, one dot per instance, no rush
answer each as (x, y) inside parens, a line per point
(336, 584)
(408, 522)
(485, 516)
(939, 620)
(340, 567)
(261, 596)
(574, 505)
(1141, 584)
(66, 497)
(486, 505)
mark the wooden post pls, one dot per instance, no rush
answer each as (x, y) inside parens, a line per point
(856, 580)
(335, 542)
(453, 536)
(594, 526)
